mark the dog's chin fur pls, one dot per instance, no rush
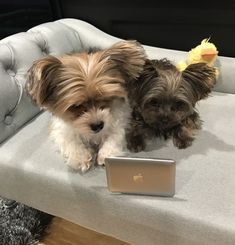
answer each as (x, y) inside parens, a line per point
(86, 93)
(163, 102)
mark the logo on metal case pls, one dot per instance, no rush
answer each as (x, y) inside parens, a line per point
(139, 178)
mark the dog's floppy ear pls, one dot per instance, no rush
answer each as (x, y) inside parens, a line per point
(201, 78)
(129, 57)
(41, 80)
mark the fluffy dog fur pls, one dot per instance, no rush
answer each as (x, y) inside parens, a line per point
(87, 96)
(163, 101)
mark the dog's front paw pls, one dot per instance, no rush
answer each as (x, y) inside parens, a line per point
(80, 162)
(136, 143)
(107, 151)
(183, 137)
(182, 143)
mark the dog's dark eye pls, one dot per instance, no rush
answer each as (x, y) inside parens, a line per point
(179, 106)
(104, 104)
(153, 103)
(77, 109)
(102, 107)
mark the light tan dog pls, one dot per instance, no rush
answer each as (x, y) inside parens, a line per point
(86, 94)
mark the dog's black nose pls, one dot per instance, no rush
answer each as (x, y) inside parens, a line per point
(96, 127)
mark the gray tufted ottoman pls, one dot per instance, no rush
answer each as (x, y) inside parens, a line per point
(33, 172)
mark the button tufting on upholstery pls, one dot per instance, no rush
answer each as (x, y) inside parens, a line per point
(8, 119)
(45, 51)
(41, 42)
(11, 72)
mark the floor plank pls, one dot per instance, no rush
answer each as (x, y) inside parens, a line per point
(63, 232)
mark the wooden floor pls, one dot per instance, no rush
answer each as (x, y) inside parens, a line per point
(63, 232)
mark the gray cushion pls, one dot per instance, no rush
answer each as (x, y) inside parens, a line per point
(33, 172)
(202, 211)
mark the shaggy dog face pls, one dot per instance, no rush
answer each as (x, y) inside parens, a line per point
(163, 101)
(87, 96)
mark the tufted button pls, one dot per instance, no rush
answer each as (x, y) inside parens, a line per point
(8, 119)
(45, 50)
(44, 53)
(11, 72)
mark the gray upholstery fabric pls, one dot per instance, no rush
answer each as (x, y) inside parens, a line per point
(202, 211)
(32, 171)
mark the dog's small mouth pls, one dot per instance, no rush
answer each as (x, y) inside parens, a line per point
(161, 124)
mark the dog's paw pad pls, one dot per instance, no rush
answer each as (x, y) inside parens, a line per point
(182, 144)
(80, 163)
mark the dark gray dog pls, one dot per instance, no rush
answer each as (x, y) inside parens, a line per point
(163, 102)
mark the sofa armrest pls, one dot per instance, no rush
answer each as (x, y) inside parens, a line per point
(15, 107)
(17, 54)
